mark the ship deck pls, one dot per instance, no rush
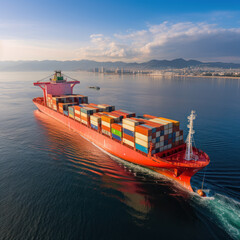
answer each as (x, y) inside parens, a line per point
(174, 156)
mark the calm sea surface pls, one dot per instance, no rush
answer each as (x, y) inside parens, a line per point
(56, 185)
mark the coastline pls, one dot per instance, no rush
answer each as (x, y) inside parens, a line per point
(196, 76)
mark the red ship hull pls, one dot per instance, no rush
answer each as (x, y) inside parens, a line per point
(178, 169)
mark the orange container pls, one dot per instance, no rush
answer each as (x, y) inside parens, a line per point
(117, 126)
(77, 108)
(107, 119)
(85, 118)
(128, 137)
(149, 116)
(143, 130)
(93, 104)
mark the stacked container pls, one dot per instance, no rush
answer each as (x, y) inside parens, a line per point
(71, 112)
(63, 107)
(77, 113)
(106, 124)
(143, 137)
(172, 135)
(124, 114)
(95, 121)
(106, 107)
(49, 100)
(116, 129)
(129, 125)
(85, 115)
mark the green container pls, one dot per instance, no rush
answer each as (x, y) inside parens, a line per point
(116, 132)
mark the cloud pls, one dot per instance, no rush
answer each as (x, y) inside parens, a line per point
(190, 40)
(167, 40)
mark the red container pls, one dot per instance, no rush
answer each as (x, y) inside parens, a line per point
(130, 138)
(166, 137)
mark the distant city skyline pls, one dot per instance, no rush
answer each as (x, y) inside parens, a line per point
(119, 31)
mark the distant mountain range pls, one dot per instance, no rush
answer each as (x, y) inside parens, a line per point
(50, 65)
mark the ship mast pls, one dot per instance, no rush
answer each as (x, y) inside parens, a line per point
(189, 150)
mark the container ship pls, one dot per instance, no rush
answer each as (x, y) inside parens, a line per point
(150, 141)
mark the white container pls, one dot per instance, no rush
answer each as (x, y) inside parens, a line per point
(128, 127)
(106, 124)
(142, 143)
(177, 133)
(161, 143)
(161, 138)
(126, 141)
(166, 132)
(95, 118)
(94, 123)
(77, 112)
(170, 130)
(143, 137)
(78, 119)
(130, 122)
(170, 124)
(158, 134)
(84, 122)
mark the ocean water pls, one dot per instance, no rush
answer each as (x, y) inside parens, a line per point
(56, 185)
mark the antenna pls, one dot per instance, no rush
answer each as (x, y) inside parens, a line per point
(189, 140)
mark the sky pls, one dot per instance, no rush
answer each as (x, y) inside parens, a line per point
(119, 30)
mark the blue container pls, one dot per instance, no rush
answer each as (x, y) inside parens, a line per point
(94, 127)
(169, 135)
(165, 142)
(128, 132)
(157, 150)
(173, 140)
(116, 137)
(162, 133)
(141, 148)
(65, 112)
(158, 139)
(174, 134)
